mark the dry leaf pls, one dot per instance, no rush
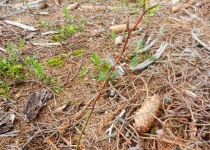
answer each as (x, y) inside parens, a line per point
(145, 115)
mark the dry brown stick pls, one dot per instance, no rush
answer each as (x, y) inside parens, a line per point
(110, 73)
(164, 140)
(51, 142)
(127, 140)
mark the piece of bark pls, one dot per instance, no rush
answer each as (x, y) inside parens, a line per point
(6, 123)
(36, 101)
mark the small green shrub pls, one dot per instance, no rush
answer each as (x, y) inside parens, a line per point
(101, 68)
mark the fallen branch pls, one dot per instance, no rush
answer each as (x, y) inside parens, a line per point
(149, 61)
(146, 48)
(46, 44)
(199, 41)
(3, 50)
(23, 26)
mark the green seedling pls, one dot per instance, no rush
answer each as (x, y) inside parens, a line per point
(64, 33)
(78, 52)
(84, 71)
(67, 15)
(55, 62)
(4, 89)
(14, 71)
(135, 60)
(113, 35)
(36, 67)
(21, 44)
(150, 57)
(139, 45)
(102, 68)
(44, 24)
(95, 2)
(55, 84)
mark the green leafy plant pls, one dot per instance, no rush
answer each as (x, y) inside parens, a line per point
(55, 62)
(14, 70)
(36, 67)
(64, 32)
(13, 67)
(78, 52)
(84, 71)
(67, 15)
(21, 44)
(101, 68)
(4, 89)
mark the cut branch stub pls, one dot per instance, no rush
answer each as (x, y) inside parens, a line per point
(146, 114)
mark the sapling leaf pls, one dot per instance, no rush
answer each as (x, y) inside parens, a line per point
(95, 58)
(103, 75)
(135, 60)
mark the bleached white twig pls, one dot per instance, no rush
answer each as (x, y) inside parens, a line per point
(148, 41)
(117, 118)
(118, 92)
(48, 32)
(146, 48)
(23, 26)
(109, 130)
(199, 41)
(46, 44)
(10, 134)
(149, 61)
(118, 68)
(3, 50)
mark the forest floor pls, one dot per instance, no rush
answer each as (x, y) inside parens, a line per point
(180, 78)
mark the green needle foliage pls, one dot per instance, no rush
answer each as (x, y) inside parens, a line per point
(67, 15)
(55, 62)
(78, 52)
(84, 71)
